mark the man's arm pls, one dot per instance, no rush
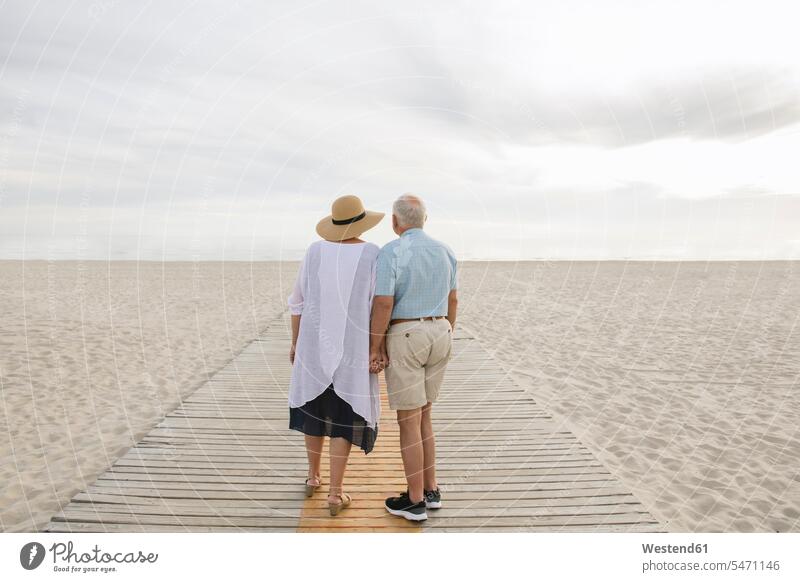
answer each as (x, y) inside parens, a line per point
(452, 298)
(452, 307)
(382, 306)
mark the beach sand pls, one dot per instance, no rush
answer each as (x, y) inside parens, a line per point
(94, 354)
(681, 377)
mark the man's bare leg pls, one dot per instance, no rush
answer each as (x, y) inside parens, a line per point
(428, 449)
(411, 451)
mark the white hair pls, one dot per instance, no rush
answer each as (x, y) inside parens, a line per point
(409, 210)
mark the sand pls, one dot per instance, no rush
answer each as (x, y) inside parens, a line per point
(93, 355)
(681, 377)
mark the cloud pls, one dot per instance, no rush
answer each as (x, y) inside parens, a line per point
(263, 110)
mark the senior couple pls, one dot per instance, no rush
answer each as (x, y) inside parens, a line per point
(357, 310)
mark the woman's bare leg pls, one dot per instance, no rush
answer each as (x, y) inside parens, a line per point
(314, 452)
(339, 452)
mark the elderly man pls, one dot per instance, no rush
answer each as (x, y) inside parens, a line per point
(413, 315)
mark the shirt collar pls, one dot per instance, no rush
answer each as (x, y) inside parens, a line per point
(412, 231)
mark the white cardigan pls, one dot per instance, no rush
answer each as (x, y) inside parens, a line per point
(333, 294)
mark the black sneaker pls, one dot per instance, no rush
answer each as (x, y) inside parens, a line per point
(433, 499)
(403, 507)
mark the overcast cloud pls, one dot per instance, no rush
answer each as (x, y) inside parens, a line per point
(187, 130)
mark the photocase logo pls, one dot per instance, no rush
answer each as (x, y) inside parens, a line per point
(31, 555)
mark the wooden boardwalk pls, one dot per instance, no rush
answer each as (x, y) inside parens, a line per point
(225, 461)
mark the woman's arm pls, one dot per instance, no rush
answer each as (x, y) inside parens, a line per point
(295, 302)
(295, 333)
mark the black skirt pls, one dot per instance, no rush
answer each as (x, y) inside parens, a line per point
(329, 415)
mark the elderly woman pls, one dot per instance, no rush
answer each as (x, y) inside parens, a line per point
(333, 391)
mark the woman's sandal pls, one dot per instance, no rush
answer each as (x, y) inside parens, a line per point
(345, 500)
(310, 489)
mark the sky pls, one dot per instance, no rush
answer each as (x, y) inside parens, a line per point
(560, 130)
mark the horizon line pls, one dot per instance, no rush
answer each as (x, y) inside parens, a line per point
(471, 260)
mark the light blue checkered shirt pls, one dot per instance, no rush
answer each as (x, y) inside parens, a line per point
(419, 272)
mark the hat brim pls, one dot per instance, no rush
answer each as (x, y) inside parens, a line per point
(338, 232)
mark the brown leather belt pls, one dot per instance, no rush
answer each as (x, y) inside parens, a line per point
(417, 319)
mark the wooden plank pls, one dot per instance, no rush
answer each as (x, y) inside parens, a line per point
(580, 503)
(607, 528)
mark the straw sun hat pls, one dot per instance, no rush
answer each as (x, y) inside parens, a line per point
(347, 219)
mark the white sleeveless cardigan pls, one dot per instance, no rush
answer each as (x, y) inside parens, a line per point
(333, 295)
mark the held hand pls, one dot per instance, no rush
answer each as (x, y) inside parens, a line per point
(376, 361)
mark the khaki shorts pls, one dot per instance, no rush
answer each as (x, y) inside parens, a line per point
(418, 355)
